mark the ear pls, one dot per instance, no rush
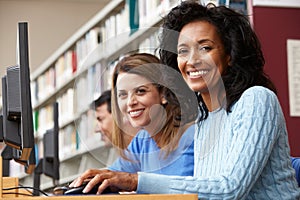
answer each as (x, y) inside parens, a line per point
(228, 60)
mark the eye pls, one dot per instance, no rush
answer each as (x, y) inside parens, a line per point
(122, 95)
(99, 119)
(182, 51)
(140, 91)
(205, 48)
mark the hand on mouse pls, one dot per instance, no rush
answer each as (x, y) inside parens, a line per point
(116, 181)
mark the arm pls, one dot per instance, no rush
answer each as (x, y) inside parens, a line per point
(95, 176)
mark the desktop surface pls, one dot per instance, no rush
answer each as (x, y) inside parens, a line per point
(113, 197)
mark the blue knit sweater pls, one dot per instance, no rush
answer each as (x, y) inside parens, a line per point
(243, 154)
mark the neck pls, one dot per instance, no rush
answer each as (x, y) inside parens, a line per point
(214, 99)
(158, 121)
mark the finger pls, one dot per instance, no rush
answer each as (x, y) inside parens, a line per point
(84, 177)
(77, 182)
(94, 181)
(73, 183)
(118, 181)
(105, 184)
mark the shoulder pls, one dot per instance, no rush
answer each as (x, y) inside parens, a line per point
(257, 97)
(259, 91)
(190, 130)
(258, 102)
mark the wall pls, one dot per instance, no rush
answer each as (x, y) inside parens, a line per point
(50, 24)
(274, 25)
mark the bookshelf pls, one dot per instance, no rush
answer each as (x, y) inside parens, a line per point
(77, 73)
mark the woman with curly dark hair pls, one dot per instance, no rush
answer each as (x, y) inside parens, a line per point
(241, 146)
(241, 142)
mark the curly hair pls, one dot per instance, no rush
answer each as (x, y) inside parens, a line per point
(239, 40)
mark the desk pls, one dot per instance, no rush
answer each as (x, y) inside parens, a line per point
(114, 197)
(7, 182)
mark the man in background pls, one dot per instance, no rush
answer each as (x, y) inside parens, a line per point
(104, 126)
(102, 107)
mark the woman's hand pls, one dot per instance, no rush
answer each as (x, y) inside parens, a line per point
(116, 181)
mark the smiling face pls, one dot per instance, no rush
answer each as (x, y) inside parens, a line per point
(201, 57)
(138, 99)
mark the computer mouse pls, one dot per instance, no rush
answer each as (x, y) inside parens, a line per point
(60, 190)
(78, 190)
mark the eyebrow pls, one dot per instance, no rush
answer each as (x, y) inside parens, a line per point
(198, 42)
(143, 85)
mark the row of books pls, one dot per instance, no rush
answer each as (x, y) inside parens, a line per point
(75, 137)
(79, 136)
(150, 44)
(103, 34)
(74, 101)
(147, 9)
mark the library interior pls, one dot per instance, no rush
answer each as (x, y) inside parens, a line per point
(58, 57)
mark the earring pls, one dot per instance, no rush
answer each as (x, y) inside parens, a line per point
(164, 101)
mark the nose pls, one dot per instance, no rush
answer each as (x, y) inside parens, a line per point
(194, 58)
(98, 128)
(131, 100)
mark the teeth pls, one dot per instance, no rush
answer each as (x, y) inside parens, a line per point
(135, 113)
(199, 73)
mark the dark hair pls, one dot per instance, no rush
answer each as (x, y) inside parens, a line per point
(238, 38)
(105, 97)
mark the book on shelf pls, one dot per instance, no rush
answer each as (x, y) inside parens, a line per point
(66, 106)
(68, 141)
(134, 20)
(150, 44)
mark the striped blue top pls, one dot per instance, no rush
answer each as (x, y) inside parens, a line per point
(243, 154)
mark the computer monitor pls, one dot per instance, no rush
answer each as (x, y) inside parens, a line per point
(16, 105)
(50, 142)
(49, 164)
